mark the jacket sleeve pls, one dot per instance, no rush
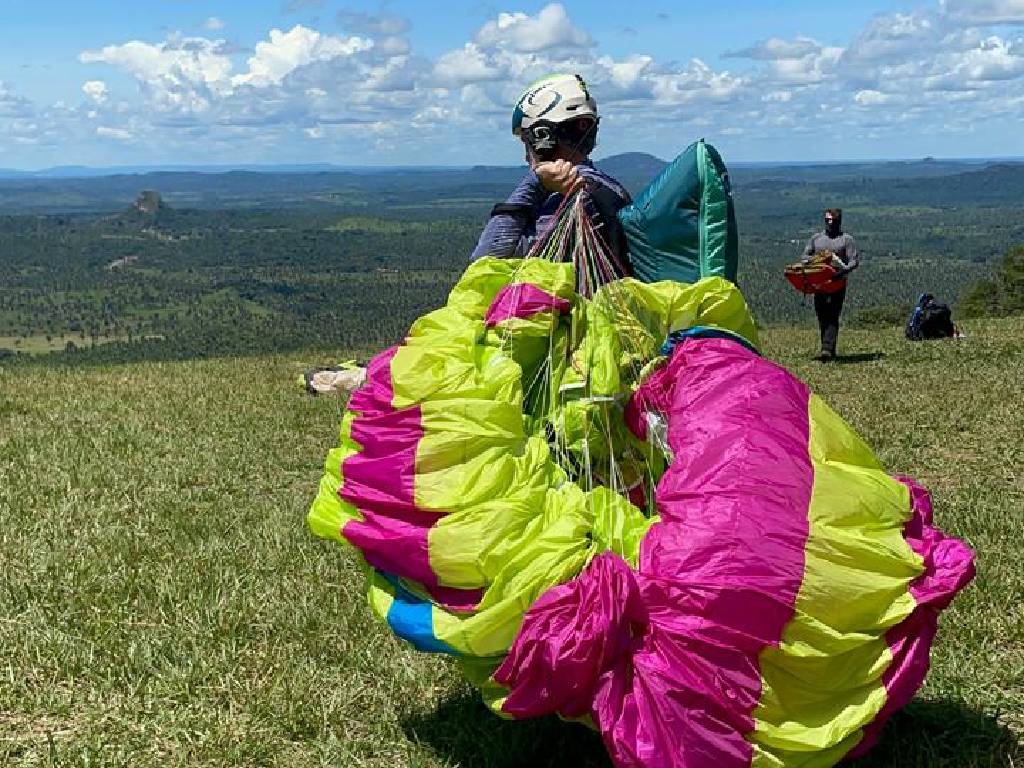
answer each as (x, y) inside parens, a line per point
(513, 224)
(808, 251)
(852, 256)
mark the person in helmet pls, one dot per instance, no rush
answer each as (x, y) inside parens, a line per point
(556, 119)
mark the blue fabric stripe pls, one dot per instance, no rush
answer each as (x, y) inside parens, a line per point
(703, 332)
(411, 619)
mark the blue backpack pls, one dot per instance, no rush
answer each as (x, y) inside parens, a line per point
(930, 320)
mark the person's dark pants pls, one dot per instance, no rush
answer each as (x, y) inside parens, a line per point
(828, 307)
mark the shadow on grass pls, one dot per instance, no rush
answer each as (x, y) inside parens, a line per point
(925, 735)
(860, 357)
(939, 734)
(464, 732)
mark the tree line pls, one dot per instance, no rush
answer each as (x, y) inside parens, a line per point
(191, 283)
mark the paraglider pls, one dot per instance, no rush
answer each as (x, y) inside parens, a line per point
(600, 499)
(816, 275)
(682, 226)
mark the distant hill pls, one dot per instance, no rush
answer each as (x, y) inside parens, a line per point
(848, 171)
(472, 191)
(627, 164)
(477, 187)
(992, 184)
(633, 169)
(86, 171)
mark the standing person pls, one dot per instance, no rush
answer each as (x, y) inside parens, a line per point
(828, 306)
(556, 119)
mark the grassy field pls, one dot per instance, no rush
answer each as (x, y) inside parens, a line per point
(40, 344)
(162, 602)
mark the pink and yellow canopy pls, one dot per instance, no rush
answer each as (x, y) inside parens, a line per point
(683, 547)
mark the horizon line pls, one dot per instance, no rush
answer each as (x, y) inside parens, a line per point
(69, 170)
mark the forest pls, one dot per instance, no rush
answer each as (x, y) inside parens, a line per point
(245, 263)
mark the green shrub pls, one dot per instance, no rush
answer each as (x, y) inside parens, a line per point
(1002, 295)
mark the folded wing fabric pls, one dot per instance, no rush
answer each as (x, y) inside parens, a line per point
(688, 551)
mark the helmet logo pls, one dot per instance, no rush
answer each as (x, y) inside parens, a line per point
(539, 96)
(542, 137)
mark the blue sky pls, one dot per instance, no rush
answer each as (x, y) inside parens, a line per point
(108, 82)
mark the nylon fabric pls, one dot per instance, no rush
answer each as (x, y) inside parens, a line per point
(682, 226)
(688, 551)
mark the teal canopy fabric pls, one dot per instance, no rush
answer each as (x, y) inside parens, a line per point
(682, 227)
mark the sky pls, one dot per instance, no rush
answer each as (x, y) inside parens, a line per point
(411, 82)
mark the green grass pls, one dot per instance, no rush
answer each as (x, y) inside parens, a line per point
(163, 604)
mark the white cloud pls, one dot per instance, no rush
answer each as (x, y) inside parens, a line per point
(551, 28)
(695, 83)
(985, 11)
(192, 59)
(993, 59)
(386, 30)
(630, 77)
(107, 132)
(213, 24)
(894, 38)
(179, 74)
(385, 25)
(801, 61)
(11, 104)
(25, 133)
(369, 80)
(815, 67)
(190, 73)
(393, 46)
(195, 76)
(467, 65)
(775, 48)
(398, 73)
(297, 82)
(95, 90)
(869, 98)
(285, 51)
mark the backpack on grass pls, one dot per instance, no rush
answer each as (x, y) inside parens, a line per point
(930, 320)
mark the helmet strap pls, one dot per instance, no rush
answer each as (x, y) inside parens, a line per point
(585, 144)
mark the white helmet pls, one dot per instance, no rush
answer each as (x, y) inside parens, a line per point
(556, 108)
